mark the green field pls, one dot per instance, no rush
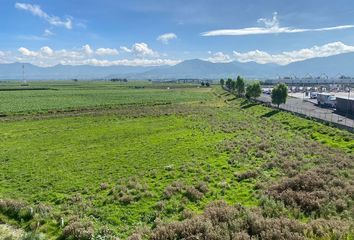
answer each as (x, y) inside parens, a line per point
(154, 163)
(67, 95)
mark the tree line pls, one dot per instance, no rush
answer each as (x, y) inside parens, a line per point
(253, 90)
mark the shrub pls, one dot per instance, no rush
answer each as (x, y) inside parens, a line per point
(103, 186)
(193, 194)
(195, 228)
(169, 167)
(330, 229)
(43, 209)
(313, 191)
(104, 233)
(126, 199)
(202, 187)
(16, 209)
(246, 175)
(160, 205)
(175, 187)
(78, 230)
(187, 214)
(221, 221)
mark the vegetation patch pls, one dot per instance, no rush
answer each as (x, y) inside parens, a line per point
(191, 169)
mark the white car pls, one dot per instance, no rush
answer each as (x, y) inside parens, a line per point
(313, 95)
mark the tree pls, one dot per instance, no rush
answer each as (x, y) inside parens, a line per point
(202, 83)
(233, 85)
(228, 83)
(240, 86)
(279, 94)
(222, 82)
(207, 84)
(253, 91)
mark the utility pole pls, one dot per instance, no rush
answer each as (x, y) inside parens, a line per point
(346, 115)
(24, 81)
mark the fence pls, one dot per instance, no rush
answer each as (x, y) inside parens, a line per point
(324, 117)
(330, 118)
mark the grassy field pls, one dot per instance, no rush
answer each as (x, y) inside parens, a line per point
(206, 165)
(70, 95)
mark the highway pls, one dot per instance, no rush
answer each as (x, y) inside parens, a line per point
(309, 108)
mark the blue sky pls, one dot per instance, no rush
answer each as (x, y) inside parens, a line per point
(158, 32)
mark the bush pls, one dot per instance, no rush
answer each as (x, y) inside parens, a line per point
(221, 221)
(103, 186)
(316, 190)
(193, 194)
(126, 199)
(175, 187)
(78, 230)
(246, 175)
(202, 187)
(16, 209)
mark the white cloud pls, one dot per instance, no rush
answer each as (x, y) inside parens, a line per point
(270, 23)
(46, 57)
(107, 51)
(27, 53)
(287, 57)
(125, 49)
(271, 26)
(37, 11)
(122, 62)
(46, 51)
(219, 57)
(2, 54)
(165, 38)
(48, 33)
(140, 50)
(87, 49)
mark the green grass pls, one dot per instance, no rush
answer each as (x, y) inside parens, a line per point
(327, 135)
(51, 160)
(70, 95)
(63, 162)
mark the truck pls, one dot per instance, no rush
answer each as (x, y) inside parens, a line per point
(326, 100)
(345, 105)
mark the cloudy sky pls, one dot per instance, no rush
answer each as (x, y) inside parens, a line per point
(159, 32)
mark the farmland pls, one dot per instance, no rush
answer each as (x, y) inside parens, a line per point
(168, 162)
(81, 95)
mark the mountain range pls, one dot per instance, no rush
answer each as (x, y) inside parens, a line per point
(332, 66)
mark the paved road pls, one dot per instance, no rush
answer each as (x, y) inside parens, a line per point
(309, 107)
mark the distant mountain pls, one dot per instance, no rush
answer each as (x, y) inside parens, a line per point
(337, 64)
(195, 68)
(62, 72)
(332, 66)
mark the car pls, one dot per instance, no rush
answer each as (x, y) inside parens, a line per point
(267, 91)
(313, 95)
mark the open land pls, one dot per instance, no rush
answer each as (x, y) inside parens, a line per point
(156, 161)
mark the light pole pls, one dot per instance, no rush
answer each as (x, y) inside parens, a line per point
(346, 115)
(303, 89)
